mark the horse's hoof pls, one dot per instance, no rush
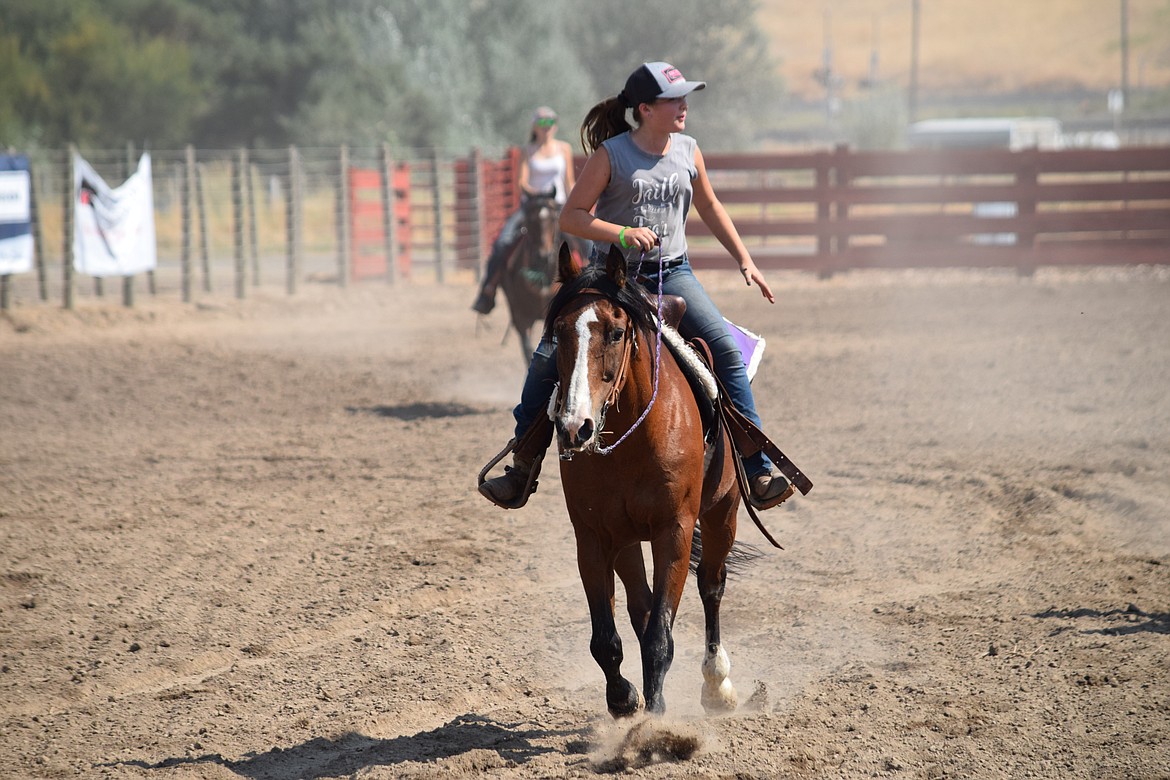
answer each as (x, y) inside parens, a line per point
(719, 699)
(624, 704)
(718, 692)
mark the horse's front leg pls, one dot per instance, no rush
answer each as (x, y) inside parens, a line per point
(631, 569)
(622, 698)
(671, 564)
(718, 537)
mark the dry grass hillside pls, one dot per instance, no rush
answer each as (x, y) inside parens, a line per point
(973, 45)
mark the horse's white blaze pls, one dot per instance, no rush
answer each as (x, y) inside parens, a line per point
(718, 692)
(578, 396)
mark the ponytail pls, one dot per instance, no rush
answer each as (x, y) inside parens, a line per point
(604, 121)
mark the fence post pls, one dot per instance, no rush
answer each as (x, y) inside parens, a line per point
(475, 168)
(239, 165)
(204, 249)
(389, 215)
(99, 289)
(439, 270)
(343, 218)
(38, 238)
(841, 179)
(824, 212)
(128, 279)
(1026, 180)
(185, 207)
(292, 221)
(70, 202)
(253, 239)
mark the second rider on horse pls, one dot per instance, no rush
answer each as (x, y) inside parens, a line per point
(546, 166)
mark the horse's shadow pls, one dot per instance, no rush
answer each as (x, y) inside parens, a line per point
(350, 753)
(1137, 620)
(417, 411)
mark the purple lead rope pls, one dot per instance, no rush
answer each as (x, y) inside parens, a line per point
(657, 356)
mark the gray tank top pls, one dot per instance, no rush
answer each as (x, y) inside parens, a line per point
(649, 190)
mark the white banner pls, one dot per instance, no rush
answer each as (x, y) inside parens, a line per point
(16, 241)
(113, 232)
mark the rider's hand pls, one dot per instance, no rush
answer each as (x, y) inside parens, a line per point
(642, 237)
(752, 274)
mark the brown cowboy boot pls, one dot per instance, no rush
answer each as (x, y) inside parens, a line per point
(486, 300)
(769, 489)
(511, 491)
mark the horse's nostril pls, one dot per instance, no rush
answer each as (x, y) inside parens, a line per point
(586, 431)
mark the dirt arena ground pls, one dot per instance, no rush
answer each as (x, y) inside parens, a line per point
(243, 540)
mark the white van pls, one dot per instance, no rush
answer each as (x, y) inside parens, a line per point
(1004, 133)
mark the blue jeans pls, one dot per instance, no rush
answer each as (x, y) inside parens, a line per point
(505, 243)
(702, 319)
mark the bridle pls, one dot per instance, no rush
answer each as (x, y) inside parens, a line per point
(628, 350)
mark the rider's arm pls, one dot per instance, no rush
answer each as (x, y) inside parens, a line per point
(713, 214)
(522, 175)
(577, 216)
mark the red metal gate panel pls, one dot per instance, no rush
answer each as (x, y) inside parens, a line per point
(368, 222)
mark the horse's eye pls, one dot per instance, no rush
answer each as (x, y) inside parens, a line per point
(616, 334)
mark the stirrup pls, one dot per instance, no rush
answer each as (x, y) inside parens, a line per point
(762, 504)
(529, 487)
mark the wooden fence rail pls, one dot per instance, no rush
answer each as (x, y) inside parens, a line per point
(354, 214)
(845, 209)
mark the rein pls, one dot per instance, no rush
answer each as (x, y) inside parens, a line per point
(657, 364)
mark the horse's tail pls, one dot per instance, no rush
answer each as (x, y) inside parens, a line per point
(741, 557)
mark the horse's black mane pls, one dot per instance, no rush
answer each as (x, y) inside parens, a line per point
(632, 297)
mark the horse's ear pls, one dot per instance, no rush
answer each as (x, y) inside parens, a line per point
(615, 267)
(567, 270)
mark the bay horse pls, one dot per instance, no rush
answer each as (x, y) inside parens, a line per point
(651, 485)
(532, 268)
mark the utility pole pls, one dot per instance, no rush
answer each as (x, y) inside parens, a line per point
(1124, 51)
(873, 54)
(914, 29)
(827, 64)
(828, 77)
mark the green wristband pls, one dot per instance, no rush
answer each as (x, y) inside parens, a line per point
(622, 238)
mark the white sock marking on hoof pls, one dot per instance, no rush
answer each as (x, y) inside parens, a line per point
(718, 692)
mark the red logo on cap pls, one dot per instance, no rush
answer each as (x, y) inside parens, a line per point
(672, 75)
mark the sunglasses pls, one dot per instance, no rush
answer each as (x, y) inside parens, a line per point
(545, 122)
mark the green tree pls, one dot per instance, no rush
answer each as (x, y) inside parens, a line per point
(80, 75)
(447, 73)
(528, 58)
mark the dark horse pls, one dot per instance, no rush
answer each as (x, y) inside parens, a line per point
(651, 486)
(532, 267)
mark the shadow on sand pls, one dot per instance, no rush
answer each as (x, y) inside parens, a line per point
(1137, 620)
(417, 411)
(325, 758)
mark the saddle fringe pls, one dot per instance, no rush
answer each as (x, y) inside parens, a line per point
(690, 361)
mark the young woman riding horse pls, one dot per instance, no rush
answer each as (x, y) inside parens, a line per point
(634, 194)
(528, 279)
(545, 167)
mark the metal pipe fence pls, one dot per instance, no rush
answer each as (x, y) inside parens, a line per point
(230, 221)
